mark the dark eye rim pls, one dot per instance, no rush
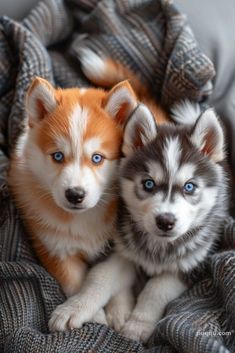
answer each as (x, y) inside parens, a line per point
(97, 154)
(56, 160)
(147, 189)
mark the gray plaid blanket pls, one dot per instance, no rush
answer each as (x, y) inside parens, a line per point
(153, 38)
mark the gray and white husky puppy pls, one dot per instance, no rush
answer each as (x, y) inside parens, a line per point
(173, 200)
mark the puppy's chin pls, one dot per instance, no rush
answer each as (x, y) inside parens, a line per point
(66, 207)
(166, 237)
(74, 209)
(172, 235)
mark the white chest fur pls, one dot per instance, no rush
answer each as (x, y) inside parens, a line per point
(87, 232)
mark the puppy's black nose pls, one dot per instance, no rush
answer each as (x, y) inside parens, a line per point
(165, 221)
(75, 195)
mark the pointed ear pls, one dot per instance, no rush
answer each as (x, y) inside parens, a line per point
(208, 136)
(141, 128)
(40, 100)
(120, 102)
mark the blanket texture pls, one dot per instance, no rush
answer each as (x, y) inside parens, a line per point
(153, 38)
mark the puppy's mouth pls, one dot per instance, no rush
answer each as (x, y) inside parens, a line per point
(74, 208)
(79, 208)
(171, 235)
(167, 236)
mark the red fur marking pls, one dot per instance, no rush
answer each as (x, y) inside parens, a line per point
(65, 271)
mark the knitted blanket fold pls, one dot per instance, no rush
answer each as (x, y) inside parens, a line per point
(154, 39)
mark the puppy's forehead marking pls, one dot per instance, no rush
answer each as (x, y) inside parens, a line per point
(92, 145)
(172, 152)
(185, 172)
(63, 144)
(156, 171)
(78, 124)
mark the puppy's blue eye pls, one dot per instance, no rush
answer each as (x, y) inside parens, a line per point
(97, 158)
(189, 187)
(58, 156)
(148, 184)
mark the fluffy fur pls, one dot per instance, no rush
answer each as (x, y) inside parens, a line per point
(176, 156)
(119, 102)
(106, 72)
(68, 232)
(165, 231)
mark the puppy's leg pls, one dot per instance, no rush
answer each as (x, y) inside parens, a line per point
(100, 317)
(103, 281)
(69, 271)
(70, 274)
(119, 308)
(151, 303)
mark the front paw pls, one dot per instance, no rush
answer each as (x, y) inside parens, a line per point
(71, 314)
(100, 317)
(138, 330)
(117, 315)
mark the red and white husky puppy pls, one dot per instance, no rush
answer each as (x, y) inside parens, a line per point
(63, 171)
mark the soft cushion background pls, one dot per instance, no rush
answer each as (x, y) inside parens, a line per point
(213, 23)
